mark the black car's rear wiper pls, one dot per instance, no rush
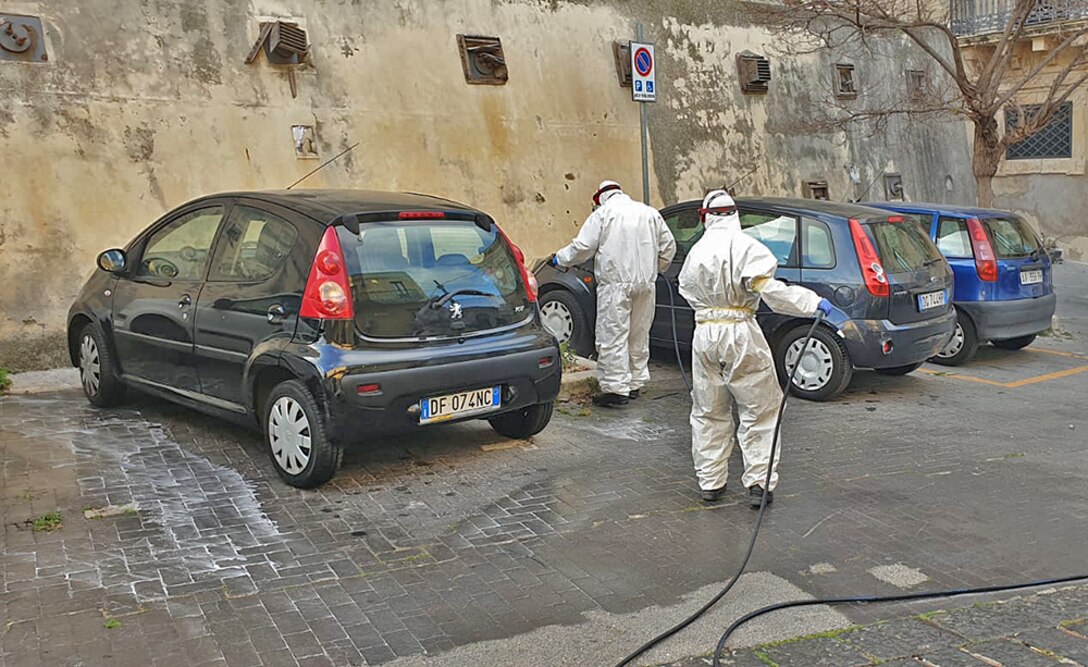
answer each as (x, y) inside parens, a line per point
(435, 304)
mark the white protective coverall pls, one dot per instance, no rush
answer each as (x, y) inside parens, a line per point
(632, 245)
(724, 277)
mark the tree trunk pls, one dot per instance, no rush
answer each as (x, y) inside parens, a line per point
(988, 151)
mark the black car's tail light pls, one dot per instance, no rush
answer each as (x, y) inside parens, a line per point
(328, 293)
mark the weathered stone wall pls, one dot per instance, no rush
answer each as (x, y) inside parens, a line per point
(1050, 192)
(144, 105)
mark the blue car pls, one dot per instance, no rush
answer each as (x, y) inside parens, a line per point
(878, 268)
(1003, 287)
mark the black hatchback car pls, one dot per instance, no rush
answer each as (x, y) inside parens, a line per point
(887, 276)
(320, 315)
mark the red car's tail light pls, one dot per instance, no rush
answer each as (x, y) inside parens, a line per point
(985, 261)
(328, 292)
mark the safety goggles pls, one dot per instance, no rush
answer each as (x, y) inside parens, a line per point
(607, 188)
(716, 210)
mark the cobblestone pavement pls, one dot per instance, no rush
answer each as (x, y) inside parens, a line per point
(452, 538)
(1043, 629)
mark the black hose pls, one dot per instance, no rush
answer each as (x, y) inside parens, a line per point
(675, 338)
(922, 595)
(762, 504)
(859, 599)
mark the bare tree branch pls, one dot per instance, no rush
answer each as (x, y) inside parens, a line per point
(1038, 69)
(990, 77)
(977, 89)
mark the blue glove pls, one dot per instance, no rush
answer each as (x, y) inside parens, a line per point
(825, 307)
(554, 261)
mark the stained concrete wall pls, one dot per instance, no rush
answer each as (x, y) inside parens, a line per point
(144, 105)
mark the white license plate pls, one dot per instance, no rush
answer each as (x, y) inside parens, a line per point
(932, 300)
(462, 404)
(1031, 277)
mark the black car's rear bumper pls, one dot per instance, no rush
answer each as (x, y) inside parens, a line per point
(910, 343)
(527, 378)
(997, 320)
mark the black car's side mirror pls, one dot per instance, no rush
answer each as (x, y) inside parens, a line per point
(113, 261)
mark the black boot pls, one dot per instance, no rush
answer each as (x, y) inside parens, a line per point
(609, 400)
(755, 496)
(713, 495)
(634, 394)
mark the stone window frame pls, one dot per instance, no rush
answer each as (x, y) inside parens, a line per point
(1074, 166)
(851, 72)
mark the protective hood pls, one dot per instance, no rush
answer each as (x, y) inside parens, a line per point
(716, 201)
(605, 191)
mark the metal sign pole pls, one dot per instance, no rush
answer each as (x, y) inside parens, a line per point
(643, 136)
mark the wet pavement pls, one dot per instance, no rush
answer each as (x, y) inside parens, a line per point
(453, 546)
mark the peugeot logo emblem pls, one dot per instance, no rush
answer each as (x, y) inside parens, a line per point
(456, 312)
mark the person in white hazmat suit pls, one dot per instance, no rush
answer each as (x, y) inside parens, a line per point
(631, 244)
(724, 277)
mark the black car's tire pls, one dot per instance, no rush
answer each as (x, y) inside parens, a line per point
(1018, 343)
(559, 308)
(899, 370)
(98, 368)
(291, 420)
(963, 345)
(523, 423)
(832, 370)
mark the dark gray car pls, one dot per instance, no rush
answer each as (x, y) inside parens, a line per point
(886, 276)
(318, 317)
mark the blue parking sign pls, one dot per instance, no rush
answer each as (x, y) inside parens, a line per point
(638, 86)
(649, 86)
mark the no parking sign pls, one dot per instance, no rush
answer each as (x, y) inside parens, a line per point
(643, 72)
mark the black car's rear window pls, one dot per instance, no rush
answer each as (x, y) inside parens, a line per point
(432, 279)
(1011, 237)
(902, 246)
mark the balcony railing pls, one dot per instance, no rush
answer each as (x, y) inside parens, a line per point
(982, 17)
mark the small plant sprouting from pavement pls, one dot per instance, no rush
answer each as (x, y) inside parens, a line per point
(764, 658)
(111, 624)
(47, 523)
(5, 381)
(567, 354)
(594, 386)
(1014, 455)
(110, 512)
(827, 634)
(1057, 333)
(574, 411)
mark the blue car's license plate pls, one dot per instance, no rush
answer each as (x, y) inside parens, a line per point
(462, 404)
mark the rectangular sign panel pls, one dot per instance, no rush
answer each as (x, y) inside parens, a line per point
(643, 73)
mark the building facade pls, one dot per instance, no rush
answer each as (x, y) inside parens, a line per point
(1043, 178)
(117, 112)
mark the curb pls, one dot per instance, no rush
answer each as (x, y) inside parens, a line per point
(577, 382)
(37, 382)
